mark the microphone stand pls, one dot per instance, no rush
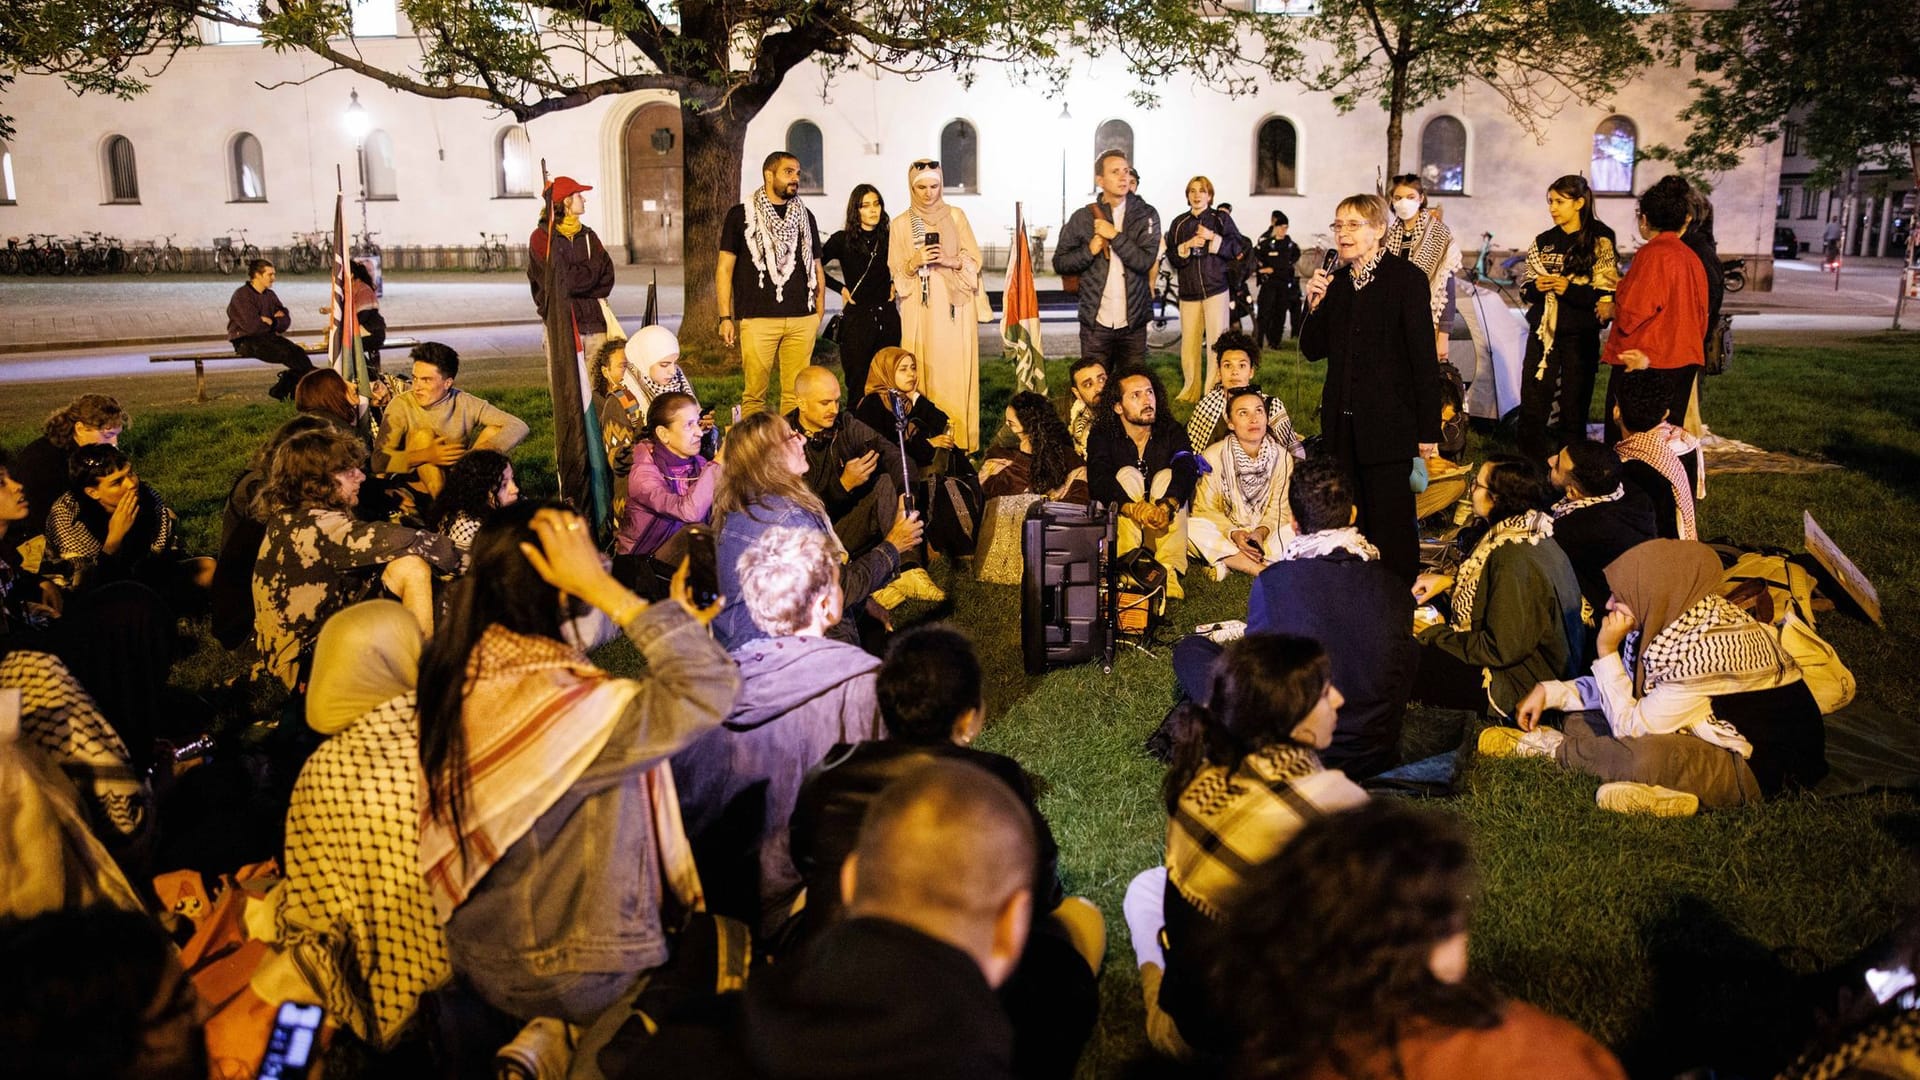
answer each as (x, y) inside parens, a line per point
(900, 429)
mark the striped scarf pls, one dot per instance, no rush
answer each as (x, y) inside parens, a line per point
(1530, 528)
(1248, 480)
(776, 243)
(1651, 447)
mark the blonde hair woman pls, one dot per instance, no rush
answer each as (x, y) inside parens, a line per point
(936, 275)
(1201, 245)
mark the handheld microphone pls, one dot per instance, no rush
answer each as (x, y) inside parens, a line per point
(1330, 260)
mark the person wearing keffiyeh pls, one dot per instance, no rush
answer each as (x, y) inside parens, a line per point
(1646, 452)
(1701, 704)
(770, 283)
(1240, 519)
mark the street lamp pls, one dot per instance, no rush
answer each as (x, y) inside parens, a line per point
(1065, 118)
(358, 123)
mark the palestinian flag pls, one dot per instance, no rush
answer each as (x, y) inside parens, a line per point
(345, 350)
(579, 456)
(1020, 324)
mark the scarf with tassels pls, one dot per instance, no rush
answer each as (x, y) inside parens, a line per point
(1569, 504)
(1529, 528)
(777, 243)
(1651, 448)
(1248, 480)
(1327, 541)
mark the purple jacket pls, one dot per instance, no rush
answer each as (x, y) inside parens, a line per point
(665, 493)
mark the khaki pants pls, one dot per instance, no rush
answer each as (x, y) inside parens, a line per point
(1201, 324)
(1169, 545)
(764, 342)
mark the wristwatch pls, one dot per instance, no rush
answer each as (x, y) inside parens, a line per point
(723, 318)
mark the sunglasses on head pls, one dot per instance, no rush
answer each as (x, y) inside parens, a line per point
(924, 164)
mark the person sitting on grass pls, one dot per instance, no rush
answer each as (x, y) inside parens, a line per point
(762, 487)
(1515, 604)
(854, 470)
(1598, 517)
(1702, 705)
(477, 485)
(1042, 461)
(1240, 519)
(541, 837)
(1239, 365)
(317, 558)
(1346, 956)
(800, 695)
(671, 486)
(894, 376)
(1087, 378)
(1246, 775)
(1648, 462)
(112, 526)
(41, 465)
(653, 368)
(431, 426)
(1130, 466)
(323, 392)
(931, 699)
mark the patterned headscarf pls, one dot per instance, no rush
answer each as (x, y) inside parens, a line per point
(1659, 580)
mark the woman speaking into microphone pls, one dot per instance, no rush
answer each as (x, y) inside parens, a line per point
(1369, 318)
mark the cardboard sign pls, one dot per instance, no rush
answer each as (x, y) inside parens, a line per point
(1822, 548)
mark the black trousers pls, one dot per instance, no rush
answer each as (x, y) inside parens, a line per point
(275, 349)
(373, 334)
(1383, 495)
(1114, 349)
(1554, 405)
(1679, 382)
(1279, 308)
(865, 329)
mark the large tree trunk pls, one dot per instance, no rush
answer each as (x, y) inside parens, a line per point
(1396, 117)
(716, 138)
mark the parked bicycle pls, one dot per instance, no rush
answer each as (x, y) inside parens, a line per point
(1165, 304)
(1507, 282)
(229, 257)
(308, 252)
(1734, 273)
(158, 255)
(94, 253)
(364, 247)
(493, 254)
(50, 255)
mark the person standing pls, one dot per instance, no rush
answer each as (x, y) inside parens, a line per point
(1201, 245)
(584, 269)
(256, 319)
(1279, 307)
(1419, 236)
(1660, 311)
(870, 321)
(1112, 245)
(936, 274)
(1371, 320)
(769, 283)
(1568, 284)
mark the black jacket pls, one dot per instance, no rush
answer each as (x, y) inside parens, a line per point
(1109, 450)
(828, 453)
(1381, 366)
(1594, 536)
(924, 421)
(1280, 255)
(1204, 273)
(1362, 613)
(1137, 246)
(585, 276)
(1639, 476)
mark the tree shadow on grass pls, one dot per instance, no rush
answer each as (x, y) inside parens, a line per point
(1718, 999)
(1896, 467)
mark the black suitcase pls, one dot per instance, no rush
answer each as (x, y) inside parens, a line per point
(1066, 609)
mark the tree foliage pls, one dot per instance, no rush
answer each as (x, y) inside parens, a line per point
(1848, 69)
(1537, 55)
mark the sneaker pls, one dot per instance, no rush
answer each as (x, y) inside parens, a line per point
(1500, 742)
(1626, 797)
(917, 584)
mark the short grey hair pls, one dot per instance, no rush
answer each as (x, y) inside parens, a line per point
(784, 574)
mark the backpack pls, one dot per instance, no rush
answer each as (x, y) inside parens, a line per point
(1453, 412)
(1779, 593)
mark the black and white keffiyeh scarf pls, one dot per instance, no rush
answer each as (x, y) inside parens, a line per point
(1528, 528)
(1363, 270)
(1569, 504)
(1713, 637)
(1248, 479)
(1327, 541)
(1422, 242)
(777, 243)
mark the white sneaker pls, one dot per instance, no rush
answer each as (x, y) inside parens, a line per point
(1626, 797)
(1540, 742)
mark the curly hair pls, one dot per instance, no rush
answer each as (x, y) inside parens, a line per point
(1258, 691)
(784, 574)
(93, 410)
(1054, 457)
(1107, 415)
(1326, 956)
(1667, 203)
(473, 485)
(1231, 340)
(300, 474)
(596, 371)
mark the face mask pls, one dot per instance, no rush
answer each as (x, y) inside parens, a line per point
(1404, 209)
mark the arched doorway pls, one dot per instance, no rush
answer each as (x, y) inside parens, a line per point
(655, 154)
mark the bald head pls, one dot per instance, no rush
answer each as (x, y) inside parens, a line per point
(948, 849)
(818, 389)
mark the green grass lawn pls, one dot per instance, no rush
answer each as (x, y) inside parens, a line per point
(1675, 942)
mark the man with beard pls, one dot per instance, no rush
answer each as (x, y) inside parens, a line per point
(1130, 465)
(770, 283)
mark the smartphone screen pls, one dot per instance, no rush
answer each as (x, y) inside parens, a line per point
(296, 1032)
(703, 566)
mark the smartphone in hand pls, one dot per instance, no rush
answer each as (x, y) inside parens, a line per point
(703, 566)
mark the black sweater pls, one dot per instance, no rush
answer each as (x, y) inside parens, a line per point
(1556, 246)
(863, 261)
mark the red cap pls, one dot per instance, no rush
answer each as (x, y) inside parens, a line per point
(564, 187)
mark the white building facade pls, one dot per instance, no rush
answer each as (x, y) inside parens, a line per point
(209, 150)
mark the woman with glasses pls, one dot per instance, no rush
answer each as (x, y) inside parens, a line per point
(869, 322)
(936, 276)
(1370, 320)
(763, 486)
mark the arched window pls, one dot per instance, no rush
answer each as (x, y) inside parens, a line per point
(1276, 151)
(248, 173)
(804, 142)
(1114, 135)
(6, 175)
(1614, 143)
(123, 179)
(382, 180)
(512, 164)
(960, 157)
(1443, 154)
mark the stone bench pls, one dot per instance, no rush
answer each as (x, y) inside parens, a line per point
(199, 359)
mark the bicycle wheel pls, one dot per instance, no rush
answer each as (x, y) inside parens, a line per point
(1736, 282)
(142, 261)
(224, 260)
(53, 262)
(171, 260)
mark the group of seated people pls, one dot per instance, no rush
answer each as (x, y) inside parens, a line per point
(486, 818)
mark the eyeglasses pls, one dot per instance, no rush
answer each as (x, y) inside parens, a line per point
(1348, 226)
(924, 164)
